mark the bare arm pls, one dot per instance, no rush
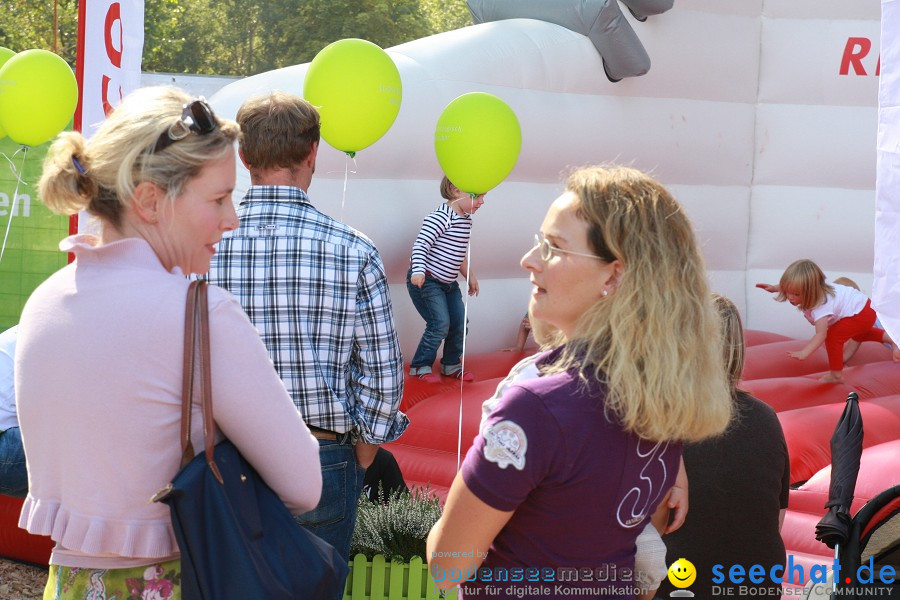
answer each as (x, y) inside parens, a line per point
(470, 277)
(817, 340)
(466, 529)
(678, 499)
(365, 454)
(772, 289)
(521, 338)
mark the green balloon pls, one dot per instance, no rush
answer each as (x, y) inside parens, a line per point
(356, 87)
(38, 95)
(5, 55)
(477, 141)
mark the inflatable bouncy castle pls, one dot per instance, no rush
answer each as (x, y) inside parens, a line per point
(759, 116)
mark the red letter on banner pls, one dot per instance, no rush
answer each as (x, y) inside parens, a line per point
(854, 51)
(113, 18)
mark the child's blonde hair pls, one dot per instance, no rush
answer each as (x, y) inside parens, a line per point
(733, 339)
(447, 188)
(847, 282)
(808, 279)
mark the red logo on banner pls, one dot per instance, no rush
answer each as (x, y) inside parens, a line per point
(113, 19)
(855, 50)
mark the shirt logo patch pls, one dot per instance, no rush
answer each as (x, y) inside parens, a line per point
(505, 444)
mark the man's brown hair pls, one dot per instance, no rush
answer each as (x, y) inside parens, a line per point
(278, 130)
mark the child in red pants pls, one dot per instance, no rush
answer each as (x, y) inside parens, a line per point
(839, 313)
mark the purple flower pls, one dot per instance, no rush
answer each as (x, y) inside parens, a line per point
(160, 589)
(135, 586)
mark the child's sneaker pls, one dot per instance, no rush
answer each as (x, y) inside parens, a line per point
(461, 375)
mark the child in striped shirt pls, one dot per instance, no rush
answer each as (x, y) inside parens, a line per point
(438, 258)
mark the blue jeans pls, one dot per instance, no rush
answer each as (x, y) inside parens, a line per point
(441, 305)
(334, 517)
(13, 475)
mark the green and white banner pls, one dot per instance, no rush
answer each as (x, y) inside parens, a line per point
(31, 232)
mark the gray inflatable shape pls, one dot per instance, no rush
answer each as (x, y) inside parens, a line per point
(600, 20)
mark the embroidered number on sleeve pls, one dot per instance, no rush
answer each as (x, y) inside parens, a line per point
(505, 444)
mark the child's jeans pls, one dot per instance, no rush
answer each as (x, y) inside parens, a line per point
(441, 305)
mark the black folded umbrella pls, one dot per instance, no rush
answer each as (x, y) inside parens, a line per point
(846, 447)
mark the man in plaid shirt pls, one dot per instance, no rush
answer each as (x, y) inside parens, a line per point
(317, 292)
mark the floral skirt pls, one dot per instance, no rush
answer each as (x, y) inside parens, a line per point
(161, 581)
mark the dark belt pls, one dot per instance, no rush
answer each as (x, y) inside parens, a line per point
(324, 434)
(435, 277)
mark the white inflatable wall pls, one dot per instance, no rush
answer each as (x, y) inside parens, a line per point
(745, 115)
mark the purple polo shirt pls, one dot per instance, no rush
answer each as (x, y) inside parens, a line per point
(582, 490)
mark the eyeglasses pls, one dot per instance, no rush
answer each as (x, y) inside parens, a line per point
(546, 249)
(197, 116)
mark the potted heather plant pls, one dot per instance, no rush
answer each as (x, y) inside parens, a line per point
(388, 547)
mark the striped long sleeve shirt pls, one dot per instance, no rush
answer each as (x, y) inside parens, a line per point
(440, 247)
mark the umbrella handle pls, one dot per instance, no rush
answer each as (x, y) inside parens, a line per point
(834, 576)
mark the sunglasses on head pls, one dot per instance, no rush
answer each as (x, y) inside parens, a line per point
(197, 116)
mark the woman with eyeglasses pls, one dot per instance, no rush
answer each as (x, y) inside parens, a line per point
(569, 465)
(99, 360)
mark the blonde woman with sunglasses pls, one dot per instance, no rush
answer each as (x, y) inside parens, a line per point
(99, 355)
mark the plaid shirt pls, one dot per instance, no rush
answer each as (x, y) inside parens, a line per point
(317, 292)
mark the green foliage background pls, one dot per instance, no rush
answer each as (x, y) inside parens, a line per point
(239, 37)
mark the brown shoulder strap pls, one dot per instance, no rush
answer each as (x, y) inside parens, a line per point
(209, 425)
(187, 378)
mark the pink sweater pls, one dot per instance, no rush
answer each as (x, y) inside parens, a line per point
(98, 381)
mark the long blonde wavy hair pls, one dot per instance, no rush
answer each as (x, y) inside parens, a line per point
(657, 339)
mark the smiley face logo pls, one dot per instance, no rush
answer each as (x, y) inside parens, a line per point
(682, 573)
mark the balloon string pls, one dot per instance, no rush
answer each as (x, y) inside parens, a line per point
(15, 201)
(12, 165)
(462, 366)
(347, 172)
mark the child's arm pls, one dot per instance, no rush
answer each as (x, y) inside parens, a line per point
(772, 289)
(433, 226)
(521, 338)
(817, 340)
(473, 281)
(678, 499)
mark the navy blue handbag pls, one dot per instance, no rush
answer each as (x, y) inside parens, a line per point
(237, 538)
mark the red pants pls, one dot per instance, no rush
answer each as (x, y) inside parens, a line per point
(858, 328)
